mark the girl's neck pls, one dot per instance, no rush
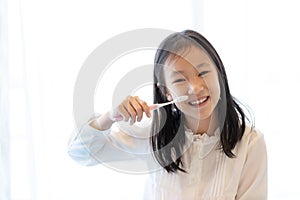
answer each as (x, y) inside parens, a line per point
(197, 126)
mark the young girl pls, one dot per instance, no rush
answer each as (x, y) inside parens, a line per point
(203, 146)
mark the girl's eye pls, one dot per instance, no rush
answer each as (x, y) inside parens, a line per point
(203, 73)
(179, 80)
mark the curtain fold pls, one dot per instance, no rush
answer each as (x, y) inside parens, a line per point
(17, 163)
(4, 105)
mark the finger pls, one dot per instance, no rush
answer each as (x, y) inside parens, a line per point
(130, 109)
(144, 106)
(123, 111)
(138, 108)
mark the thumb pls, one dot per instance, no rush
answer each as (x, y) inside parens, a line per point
(115, 115)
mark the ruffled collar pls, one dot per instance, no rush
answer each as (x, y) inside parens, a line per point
(202, 142)
(204, 138)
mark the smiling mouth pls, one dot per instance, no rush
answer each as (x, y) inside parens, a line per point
(199, 101)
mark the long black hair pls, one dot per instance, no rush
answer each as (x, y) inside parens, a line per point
(168, 134)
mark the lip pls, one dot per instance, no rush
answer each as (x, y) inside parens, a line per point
(200, 101)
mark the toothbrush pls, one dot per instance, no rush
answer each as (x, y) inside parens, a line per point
(156, 106)
(159, 105)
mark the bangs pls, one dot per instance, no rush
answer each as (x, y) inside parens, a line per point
(174, 47)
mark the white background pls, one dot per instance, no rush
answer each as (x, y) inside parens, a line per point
(49, 41)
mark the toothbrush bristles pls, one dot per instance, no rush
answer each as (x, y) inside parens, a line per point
(181, 98)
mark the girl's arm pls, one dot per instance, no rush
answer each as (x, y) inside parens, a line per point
(91, 146)
(97, 142)
(85, 142)
(253, 180)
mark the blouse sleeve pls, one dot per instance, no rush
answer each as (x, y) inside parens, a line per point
(253, 181)
(90, 146)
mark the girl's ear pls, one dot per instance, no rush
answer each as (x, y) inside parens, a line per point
(164, 90)
(169, 97)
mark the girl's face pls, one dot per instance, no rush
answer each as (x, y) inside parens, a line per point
(193, 74)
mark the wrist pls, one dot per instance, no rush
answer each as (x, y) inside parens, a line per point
(102, 122)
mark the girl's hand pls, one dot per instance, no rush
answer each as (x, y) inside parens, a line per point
(132, 108)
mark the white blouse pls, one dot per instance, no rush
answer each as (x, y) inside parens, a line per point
(211, 175)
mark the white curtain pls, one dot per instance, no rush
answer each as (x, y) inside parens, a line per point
(44, 43)
(4, 106)
(17, 180)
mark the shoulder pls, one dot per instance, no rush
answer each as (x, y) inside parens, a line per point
(252, 139)
(252, 135)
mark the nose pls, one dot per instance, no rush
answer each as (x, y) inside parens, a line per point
(196, 85)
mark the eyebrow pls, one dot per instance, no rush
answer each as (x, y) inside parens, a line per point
(173, 73)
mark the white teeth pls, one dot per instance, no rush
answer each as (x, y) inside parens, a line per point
(198, 101)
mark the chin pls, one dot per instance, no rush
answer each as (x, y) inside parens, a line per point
(198, 116)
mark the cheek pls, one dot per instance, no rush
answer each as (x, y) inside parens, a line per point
(214, 90)
(177, 90)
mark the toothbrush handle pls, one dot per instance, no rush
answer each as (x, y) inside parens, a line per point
(153, 107)
(120, 118)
